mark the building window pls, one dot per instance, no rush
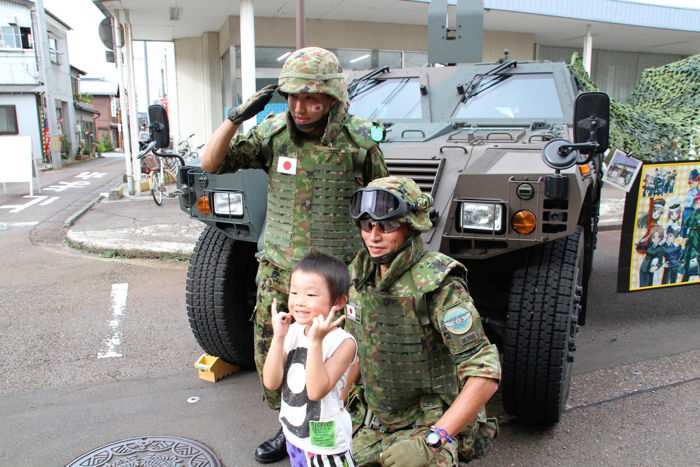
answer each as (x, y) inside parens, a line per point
(27, 39)
(10, 37)
(53, 50)
(8, 120)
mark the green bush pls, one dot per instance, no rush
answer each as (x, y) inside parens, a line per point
(104, 145)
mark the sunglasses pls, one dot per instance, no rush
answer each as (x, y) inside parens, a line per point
(384, 226)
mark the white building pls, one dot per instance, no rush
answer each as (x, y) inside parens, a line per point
(623, 36)
(22, 104)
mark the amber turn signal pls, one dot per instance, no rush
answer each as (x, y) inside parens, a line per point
(523, 222)
(584, 170)
(203, 205)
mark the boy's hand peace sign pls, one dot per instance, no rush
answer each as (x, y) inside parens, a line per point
(321, 325)
(280, 321)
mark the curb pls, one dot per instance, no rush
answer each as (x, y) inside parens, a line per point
(76, 215)
(613, 225)
(117, 252)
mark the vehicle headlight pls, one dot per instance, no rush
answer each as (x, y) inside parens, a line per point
(482, 217)
(228, 204)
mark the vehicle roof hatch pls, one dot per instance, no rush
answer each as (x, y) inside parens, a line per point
(461, 44)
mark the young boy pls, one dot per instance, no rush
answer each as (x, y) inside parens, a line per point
(309, 359)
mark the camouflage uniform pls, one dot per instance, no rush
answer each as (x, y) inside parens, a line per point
(310, 182)
(420, 338)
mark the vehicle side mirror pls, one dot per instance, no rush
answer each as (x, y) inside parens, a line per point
(160, 128)
(592, 121)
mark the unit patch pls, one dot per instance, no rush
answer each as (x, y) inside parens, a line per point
(377, 133)
(457, 320)
(352, 312)
(287, 165)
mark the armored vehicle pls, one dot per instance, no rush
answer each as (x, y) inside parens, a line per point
(515, 201)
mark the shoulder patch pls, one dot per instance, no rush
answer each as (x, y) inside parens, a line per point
(433, 268)
(363, 131)
(272, 124)
(457, 320)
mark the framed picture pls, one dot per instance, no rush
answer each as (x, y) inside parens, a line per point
(622, 171)
(660, 241)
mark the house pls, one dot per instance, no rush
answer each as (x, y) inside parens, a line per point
(23, 97)
(85, 116)
(104, 95)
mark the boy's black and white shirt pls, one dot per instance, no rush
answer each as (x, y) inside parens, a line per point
(308, 424)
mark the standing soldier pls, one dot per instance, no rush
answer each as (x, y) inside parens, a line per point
(426, 366)
(316, 155)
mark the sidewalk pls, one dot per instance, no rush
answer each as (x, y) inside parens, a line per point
(136, 227)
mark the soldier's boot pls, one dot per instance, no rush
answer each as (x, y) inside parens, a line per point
(272, 450)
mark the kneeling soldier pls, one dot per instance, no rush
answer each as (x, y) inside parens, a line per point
(426, 366)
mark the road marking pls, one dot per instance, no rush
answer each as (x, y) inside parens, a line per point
(86, 175)
(49, 201)
(15, 208)
(7, 225)
(63, 186)
(111, 345)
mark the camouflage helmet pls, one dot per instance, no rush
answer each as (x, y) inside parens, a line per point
(418, 217)
(313, 69)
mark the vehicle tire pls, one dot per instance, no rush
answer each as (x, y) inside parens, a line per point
(220, 296)
(156, 188)
(541, 324)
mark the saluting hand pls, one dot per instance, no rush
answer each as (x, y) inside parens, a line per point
(321, 326)
(280, 321)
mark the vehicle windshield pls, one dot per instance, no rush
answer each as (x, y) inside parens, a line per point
(389, 99)
(521, 97)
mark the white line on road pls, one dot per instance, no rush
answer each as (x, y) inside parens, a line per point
(15, 208)
(7, 225)
(111, 344)
(49, 201)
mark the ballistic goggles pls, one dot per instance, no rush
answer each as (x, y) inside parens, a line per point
(377, 203)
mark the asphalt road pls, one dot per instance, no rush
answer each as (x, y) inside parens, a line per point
(87, 360)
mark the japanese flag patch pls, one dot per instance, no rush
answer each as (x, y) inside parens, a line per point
(287, 165)
(351, 312)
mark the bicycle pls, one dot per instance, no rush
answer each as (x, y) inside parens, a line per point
(166, 167)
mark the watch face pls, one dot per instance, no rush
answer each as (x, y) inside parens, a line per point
(433, 440)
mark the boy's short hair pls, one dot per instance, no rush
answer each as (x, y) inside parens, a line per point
(333, 271)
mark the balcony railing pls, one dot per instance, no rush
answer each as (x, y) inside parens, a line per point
(18, 67)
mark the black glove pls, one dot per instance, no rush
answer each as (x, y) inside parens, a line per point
(253, 105)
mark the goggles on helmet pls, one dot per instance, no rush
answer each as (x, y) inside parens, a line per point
(377, 203)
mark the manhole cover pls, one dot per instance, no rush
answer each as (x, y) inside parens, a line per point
(151, 451)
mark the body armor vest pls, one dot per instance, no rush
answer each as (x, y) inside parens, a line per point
(408, 373)
(309, 209)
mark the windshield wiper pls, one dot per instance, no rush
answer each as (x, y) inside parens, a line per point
(365, 82)
(494, 76)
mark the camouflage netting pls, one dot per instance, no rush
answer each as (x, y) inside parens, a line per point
(661, 121)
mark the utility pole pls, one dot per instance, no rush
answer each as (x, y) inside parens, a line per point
(41, 39)
(119, 53)
(301, 25)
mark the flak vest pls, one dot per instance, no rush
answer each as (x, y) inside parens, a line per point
(409, 376)
(309, 207)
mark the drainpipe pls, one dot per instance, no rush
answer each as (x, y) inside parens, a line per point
(247, 15)
(588, 50)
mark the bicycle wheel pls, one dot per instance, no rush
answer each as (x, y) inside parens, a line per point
(157, 188)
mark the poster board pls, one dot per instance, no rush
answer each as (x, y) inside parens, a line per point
(660, 241)
(16, 159)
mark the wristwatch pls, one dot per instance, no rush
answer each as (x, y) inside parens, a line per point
(436, 437)
(433, 440)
